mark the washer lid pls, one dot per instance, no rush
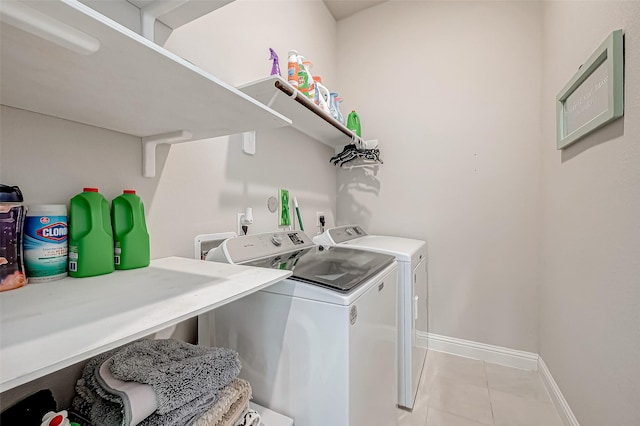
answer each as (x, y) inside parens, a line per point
(337, 268)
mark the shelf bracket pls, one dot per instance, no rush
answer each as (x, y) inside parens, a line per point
(249, 143)
(273, 98)
(152, 11)
(149, 144)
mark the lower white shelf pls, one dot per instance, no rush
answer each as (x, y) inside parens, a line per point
(50, 326)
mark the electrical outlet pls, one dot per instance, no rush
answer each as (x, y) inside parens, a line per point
(318, 216)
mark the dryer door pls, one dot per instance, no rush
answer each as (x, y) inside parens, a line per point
(419, 329)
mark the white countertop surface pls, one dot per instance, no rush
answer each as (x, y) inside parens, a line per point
(46, 327)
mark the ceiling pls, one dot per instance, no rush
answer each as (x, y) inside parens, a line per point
(343, 8)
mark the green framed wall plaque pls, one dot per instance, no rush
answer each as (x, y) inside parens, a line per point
(595, 94)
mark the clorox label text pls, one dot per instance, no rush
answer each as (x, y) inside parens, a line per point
(54, 232)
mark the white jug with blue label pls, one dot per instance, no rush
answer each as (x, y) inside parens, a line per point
(45, 242)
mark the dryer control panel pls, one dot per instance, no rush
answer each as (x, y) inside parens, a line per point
(346, 233)
(258, 246)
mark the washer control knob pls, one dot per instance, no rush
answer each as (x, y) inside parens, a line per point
(276, 240)
(349, 231)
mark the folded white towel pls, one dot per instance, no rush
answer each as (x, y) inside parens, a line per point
(232, 402)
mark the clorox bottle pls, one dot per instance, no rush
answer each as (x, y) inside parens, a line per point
(129, 231)
(90, 235)
(45, 242)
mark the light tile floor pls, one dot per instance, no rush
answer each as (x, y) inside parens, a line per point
(457, 391)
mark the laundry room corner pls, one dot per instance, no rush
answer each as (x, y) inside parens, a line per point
(230, 179)
(454, 101)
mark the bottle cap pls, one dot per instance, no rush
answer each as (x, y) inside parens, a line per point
(90, 189)
(56, 421)
(129, 191)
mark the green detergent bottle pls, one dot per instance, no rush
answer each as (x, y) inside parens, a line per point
(129, 231)
(353, 123)
(90, 235)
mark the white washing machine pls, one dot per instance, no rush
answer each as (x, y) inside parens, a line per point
(411, 255)
(319, 346)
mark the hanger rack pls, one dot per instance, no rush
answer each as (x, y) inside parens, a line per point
(356, 152)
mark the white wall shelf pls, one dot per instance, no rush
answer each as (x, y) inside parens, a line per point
(307, 117)
(110, 77)
(49, 326)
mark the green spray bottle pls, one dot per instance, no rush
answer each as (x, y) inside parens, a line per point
(353, 123)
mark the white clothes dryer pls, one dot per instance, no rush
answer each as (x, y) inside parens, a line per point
(411, 255)
(319, 346)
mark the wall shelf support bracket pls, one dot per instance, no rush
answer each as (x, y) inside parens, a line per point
(274, 97)
(152, 11)
(249, 143)
(149, 144)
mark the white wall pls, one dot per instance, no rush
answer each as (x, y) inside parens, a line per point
(234, 41)
(590, 275)
(200, 186)
(452, 91)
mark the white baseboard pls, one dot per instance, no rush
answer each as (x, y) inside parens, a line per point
(489, 353)
(561, 404)
(503, 356)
